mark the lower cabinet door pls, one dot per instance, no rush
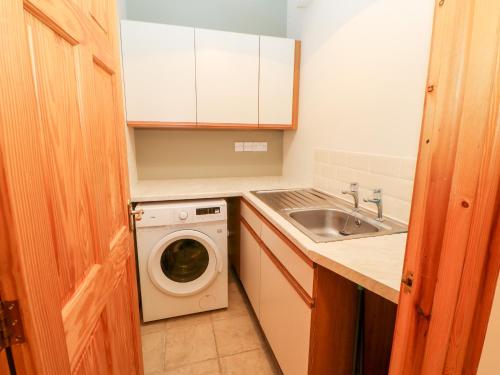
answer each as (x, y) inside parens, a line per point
(250, 267)
(285, 319)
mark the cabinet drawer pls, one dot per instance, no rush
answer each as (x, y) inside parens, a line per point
(251, 217)
(301, 269)
(285, 319)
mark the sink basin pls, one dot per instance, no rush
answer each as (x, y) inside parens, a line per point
(332, 223)
(325, 218)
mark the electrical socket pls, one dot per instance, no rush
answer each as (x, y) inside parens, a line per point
(239, 146)
(248, 146)
(260, 146)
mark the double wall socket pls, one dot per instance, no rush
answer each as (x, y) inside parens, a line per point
(250, 146)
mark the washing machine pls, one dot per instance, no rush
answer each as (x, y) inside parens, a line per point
(182, 257)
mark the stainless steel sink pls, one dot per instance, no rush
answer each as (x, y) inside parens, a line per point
(325, 218)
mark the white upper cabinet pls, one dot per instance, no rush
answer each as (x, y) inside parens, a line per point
(159, 66)
(227, 77)
(179, 76)
(277, 64)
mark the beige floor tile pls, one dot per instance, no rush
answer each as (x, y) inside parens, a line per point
(153, 349)
(152, 327)
(237, 305)
(188, 320)
(235, 335)
(248, 363)
(210, 367)
(189, 344)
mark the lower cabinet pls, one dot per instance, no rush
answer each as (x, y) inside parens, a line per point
(285, 319)
(311, 333)
(283, 307)
(250, 254)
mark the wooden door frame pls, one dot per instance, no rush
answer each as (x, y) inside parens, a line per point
(453, 247)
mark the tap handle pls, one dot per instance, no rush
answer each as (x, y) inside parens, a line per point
(377, 194)
(354, 186)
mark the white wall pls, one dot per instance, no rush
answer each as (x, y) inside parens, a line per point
(266, 17)
(363, 73)
(121, 9)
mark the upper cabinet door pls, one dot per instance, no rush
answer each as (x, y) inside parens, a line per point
(159, 72)
(227, 78)
(276, 88)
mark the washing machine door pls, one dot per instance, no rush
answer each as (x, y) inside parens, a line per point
(184, 262)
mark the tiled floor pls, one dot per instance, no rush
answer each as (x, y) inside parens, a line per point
(222, 342)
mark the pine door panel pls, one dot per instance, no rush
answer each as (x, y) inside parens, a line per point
(95, 360)
(64, 189)
(99, 11)
(58, 107)
(119, 313)
(109, 150)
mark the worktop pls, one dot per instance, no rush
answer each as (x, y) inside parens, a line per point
(204, 188)
(375, 263)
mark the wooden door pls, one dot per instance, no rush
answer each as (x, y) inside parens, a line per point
(227, 78)
(453, 253)
(66, 249)
(159, 74)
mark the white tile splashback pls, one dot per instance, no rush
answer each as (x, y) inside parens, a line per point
(335, 169)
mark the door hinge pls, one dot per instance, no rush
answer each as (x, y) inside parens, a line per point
(11, 326)
(407, 281)
(133, 215)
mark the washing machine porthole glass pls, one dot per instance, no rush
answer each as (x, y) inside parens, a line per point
(184, 260)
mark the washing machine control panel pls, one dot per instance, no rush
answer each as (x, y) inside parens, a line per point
(208, 211)
(202, 214)
(183, 212)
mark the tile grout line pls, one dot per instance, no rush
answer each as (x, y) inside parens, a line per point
(164, 350)
(243, 352)
(188, 364)
(216, 348)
